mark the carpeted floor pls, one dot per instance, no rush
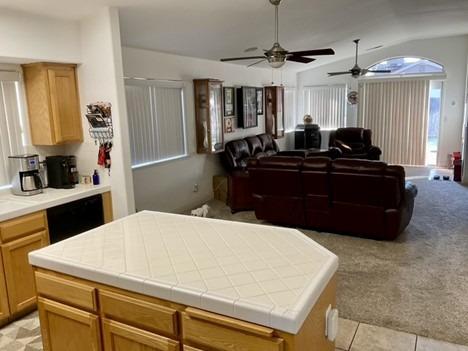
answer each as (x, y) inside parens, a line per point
(418, 283)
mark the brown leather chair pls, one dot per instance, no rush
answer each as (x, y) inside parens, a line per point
(235, 157)
(278, 193)
(354, 197)
(355, 143)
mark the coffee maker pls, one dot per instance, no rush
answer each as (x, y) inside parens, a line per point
(25, 175)
(62, 172)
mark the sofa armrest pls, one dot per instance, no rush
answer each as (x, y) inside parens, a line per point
(335, 152)
(374, 153)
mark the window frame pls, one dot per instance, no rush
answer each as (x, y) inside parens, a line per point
(149, 82)
(436, 75)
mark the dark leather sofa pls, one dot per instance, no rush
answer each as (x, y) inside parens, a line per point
(355, 143)
(356, 197)
(235, 157)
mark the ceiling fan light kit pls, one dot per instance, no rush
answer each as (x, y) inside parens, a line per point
(277, 55)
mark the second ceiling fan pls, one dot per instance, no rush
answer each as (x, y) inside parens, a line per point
(277, 56)
(357, 71)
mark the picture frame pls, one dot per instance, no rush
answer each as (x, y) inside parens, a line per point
(229, 125)
(260, 100)
(247, 107)
(229, 96)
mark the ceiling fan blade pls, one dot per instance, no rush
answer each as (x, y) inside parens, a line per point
(379, 71)
(317, 52)
(300, 59)
(256, 63)
(242, 58)
(338, 73)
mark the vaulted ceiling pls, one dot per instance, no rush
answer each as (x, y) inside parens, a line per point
(214, 29)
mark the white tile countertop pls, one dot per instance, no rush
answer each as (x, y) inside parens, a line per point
(268, 275)
(12, 206)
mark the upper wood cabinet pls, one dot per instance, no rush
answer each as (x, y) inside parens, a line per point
(209, 115)
(274, 107)
(53, 103)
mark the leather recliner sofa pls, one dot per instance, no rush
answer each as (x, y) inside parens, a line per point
(356, 197)
(355, 143)
(235, 157)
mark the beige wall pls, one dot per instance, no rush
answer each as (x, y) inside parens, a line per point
(169, 186)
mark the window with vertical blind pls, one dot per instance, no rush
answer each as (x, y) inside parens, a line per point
(290, 112)
(156, 116)
(397, 113)
(11, 131)
(326, 105)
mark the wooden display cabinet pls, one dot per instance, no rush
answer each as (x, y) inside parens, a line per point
(209, 115)
(53, 103)
(274, 111)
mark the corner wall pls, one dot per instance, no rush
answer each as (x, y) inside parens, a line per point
(452, 52)
(100, 79)
(169, 186)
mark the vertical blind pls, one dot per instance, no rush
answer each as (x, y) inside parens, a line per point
(326, 105)
(290, 108)
(397, 113)
(11, 134)
(156, 121)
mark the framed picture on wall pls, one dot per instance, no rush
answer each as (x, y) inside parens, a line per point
(247, 107)
(229, 102)
(229, 125)
(259, 101)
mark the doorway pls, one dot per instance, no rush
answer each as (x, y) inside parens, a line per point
(434, 118)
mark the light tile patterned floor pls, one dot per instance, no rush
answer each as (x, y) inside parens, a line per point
(24, 335)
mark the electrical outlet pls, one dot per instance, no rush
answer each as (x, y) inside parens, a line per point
(195, 188)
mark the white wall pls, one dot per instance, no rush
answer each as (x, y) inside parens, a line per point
(25, 37)
(452, 52)
(169, 186)
(101, 79)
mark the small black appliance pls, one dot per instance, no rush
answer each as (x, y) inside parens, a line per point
(62, 172)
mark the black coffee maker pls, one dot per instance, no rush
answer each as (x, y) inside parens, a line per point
(62, 172)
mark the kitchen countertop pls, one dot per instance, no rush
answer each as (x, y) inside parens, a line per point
(12, 206)
(267, 275)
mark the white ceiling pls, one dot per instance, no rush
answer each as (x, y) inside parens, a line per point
(224, 28)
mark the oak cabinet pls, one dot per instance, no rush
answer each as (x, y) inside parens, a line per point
(209, 115)
(118, 336)
(67, 328)
(18, 272)
(274, 111)
(4, 307)
(53, 103)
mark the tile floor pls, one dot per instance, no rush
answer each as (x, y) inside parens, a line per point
(24, 335)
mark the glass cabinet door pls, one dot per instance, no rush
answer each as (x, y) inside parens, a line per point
(216, 116)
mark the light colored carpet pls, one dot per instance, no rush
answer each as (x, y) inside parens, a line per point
(417, 283)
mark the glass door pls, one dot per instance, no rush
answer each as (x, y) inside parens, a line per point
(435, 110)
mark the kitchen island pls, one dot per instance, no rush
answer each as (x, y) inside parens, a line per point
(158, 281)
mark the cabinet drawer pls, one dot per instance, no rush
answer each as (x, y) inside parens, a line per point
(190, 348)
(139, 313)
(66, 291)
(226, 334)
(22, 226)
(118, 336)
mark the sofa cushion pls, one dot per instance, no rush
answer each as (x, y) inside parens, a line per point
(281, 162)
(268, 143)
(359, 166)
(236, 154)
(255, 145)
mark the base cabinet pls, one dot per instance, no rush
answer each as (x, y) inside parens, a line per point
(4, 307)
(119, 337)
(129, 321)
(67, 328)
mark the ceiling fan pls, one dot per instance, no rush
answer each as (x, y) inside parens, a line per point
(277, 56)
(357, 71)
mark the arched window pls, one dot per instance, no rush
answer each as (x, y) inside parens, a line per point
(406, 66)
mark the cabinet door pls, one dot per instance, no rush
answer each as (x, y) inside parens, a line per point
(65, 105)
(19, 273)
(121, 337)
(4, 309)
(67, 328)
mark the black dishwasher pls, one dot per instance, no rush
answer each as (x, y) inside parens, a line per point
(74, 218)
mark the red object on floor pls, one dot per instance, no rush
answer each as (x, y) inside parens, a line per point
(457, 166)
